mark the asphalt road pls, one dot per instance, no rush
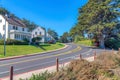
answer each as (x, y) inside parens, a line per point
(40, 61)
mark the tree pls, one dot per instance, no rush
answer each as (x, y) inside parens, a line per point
(99, 18)
(53, 33)
(65, 38)
(4, 11)
(29, 24)
(36, 40)
(76, 31)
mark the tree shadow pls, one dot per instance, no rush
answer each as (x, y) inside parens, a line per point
(42, 48)
(38, 46)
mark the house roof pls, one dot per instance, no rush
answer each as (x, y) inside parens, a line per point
(38, 28)
(15, 21)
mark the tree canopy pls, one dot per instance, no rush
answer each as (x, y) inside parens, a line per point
(53, 33)
(4, 11)
(29, 24)
(98, 17)
(65, 37)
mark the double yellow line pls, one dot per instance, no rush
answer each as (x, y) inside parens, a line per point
(74, 50)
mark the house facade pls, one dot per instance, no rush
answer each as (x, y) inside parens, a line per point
(49, 37)
(15, 29)
(39, 31)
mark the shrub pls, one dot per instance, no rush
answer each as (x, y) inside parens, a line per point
(79, 38)
(13, 42)
(26, 40)
(44, 44)
(41, 76)
(36, 39)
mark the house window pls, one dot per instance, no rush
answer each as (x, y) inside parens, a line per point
(36, 33)
(18, 36)
(40, 33)
(23, 29)
(0, 20)
(3, 27)
(21, 36)
(15, 36)
(13, 27)
(3, 36)
(33, 35)
(16, 28)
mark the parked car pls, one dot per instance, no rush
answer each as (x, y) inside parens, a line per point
(51, 41)
(97, 44)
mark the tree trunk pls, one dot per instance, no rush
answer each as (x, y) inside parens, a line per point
(101, 42)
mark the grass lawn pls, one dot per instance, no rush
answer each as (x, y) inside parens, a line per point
(85, 42)
(15, 50)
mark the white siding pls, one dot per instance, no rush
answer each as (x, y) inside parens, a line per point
(19, 34)
(2, 23)
(19, 28)
(38, 30)
(10, 32)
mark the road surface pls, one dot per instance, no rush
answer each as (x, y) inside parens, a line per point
(26, 64)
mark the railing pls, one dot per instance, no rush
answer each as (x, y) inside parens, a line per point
(17, 31)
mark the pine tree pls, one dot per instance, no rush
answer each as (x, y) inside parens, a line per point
(99, 17)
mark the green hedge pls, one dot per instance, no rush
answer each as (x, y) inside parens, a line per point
(13, 42)
(45, 44)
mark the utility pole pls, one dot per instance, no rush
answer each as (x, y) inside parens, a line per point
(45, 36)
(5, 36)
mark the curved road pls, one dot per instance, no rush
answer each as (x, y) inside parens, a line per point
(40, 61)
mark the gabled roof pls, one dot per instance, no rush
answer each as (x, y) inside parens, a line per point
(14, 21)
(38, 28)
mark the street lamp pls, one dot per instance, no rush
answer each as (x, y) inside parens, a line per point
(5, 36)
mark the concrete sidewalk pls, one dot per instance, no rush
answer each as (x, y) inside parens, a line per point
(49, 69)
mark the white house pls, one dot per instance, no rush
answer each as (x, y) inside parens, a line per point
(15, 29)
(49, 37)
(39, 31)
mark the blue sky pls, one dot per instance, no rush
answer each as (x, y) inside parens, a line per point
(59, 15)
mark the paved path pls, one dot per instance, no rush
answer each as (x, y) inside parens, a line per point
(26, 64)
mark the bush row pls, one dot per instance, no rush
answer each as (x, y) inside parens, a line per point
(13, 42)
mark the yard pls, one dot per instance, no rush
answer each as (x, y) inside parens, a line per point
(15, 50)
(85, 42)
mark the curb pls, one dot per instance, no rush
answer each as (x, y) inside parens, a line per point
(46, 68)
(14, 57)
